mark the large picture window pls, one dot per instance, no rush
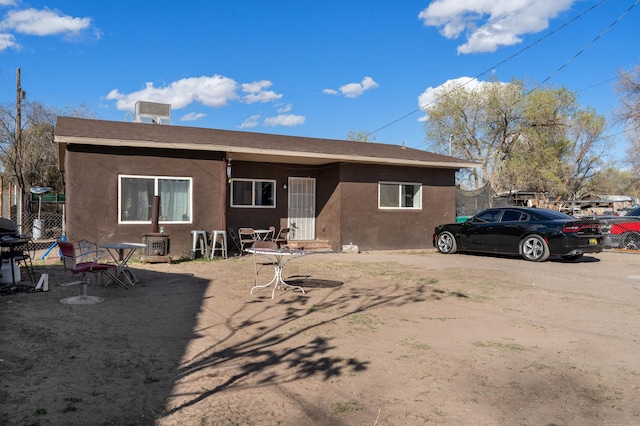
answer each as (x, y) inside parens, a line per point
(253, 193)
(135, 198)
(397, 195)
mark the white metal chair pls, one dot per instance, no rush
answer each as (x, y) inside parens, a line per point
(247, 238)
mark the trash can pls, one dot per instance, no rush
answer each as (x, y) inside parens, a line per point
(5, 270)
(38, 226)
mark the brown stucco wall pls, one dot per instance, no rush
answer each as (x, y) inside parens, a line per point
(370, 228)
(347, 203)
(261, 218)
(91, 182)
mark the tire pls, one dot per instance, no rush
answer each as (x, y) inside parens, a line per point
(446, 243)
(573, 257)
(630, 241)
(534, 248)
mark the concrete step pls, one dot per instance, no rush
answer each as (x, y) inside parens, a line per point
(310, 245)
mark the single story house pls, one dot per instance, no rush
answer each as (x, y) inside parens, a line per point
(376, 196)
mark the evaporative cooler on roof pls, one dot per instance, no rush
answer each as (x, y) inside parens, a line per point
(153, 113)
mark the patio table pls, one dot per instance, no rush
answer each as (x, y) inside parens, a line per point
(121, 254)
(261, 234)
(277, 258)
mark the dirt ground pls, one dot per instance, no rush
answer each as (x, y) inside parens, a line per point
(381, 338)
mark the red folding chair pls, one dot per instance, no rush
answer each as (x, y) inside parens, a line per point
(70, 256)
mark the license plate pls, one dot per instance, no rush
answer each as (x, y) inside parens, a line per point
(593, 241)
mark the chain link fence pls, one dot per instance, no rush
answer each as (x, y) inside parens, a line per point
(621, 233)
(46, 226)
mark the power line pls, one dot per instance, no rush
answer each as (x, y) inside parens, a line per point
(539, 40)
(606, 30)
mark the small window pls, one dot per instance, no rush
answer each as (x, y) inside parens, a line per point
(135, 199)
(253, 193)
(392, 195)
(487, 216)
(513, 216)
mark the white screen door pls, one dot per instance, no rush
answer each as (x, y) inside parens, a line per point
(302, 208)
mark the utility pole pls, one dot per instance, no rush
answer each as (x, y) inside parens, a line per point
(19, 96)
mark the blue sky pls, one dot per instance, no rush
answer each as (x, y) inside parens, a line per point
(317, 69)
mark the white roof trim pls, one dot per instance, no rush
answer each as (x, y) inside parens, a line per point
(284, 154)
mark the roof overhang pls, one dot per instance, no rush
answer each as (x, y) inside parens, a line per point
(265, 155)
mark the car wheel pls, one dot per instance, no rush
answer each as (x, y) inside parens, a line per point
(534, 248)
(446, 243)
(631, 240)
(573, 257)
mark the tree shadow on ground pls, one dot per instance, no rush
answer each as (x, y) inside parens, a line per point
(289, 332)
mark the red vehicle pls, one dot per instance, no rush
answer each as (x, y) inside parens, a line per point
(622, 231)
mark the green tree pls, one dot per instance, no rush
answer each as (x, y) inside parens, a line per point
(612, 180)
(361, 136)
(539, 140)
(559, 148)
(477, 124)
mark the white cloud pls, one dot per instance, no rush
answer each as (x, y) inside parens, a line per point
(7, 3)
(43, 22)
(193, 116)
(250, 122)
(430, 95)
(353, 90)
(256, 92)
(288, 120)
(215, 91)
(491, 23)
(284, 109)
(7, 41)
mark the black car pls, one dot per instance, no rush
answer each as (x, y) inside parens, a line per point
(533, 233)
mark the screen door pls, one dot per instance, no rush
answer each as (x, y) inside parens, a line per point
(302, 208)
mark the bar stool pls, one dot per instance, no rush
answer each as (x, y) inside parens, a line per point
(223, 242)
(199, 243)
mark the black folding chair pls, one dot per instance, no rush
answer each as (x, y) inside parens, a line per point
(233, 236)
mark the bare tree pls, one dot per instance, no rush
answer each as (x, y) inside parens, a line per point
(36, 161)
(628, 88)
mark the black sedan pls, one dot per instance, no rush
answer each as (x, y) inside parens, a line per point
(533, 233)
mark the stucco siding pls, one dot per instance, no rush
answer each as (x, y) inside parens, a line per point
(371, 228)
(92, 192)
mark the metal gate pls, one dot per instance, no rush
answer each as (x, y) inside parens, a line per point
(302, 208)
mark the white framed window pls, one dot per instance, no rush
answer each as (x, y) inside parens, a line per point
(399, 195)
(253, 193)
(135, 198)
